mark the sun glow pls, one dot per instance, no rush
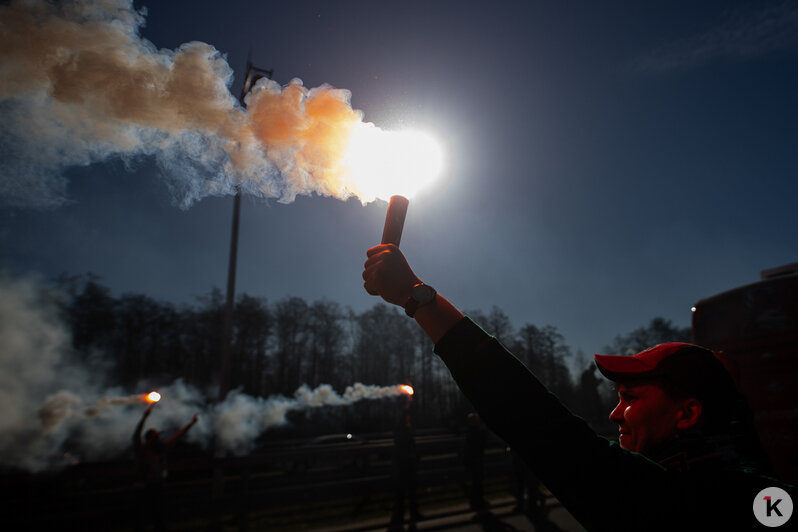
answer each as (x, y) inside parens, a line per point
(385, 163)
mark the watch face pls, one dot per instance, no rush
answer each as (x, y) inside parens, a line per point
(422, 293)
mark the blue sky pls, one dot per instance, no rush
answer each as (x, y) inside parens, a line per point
(607, 163)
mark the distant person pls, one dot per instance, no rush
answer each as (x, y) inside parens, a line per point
(525, 488)
(474, 461)
(405, 462)
(688, 456)
(152, 468)
(590, 402)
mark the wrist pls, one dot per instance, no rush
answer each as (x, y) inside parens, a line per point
(420, 296)
(437, 317)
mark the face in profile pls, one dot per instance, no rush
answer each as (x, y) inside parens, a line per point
(647, 417)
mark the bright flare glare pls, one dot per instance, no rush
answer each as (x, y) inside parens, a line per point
(152, 397)
(385, 163)
(406, 389)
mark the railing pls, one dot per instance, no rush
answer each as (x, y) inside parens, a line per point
(352, 478)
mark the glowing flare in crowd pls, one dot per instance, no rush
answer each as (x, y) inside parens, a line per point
(152, 397)
(406, 388)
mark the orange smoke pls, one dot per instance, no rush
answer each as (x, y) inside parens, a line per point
(320, 144)
(84, 85)
(305, 134)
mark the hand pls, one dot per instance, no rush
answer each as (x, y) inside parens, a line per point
(149, 409)
(386, 273)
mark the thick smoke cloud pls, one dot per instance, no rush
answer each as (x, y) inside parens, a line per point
(54, 411)
(32, 341)
(78, 85)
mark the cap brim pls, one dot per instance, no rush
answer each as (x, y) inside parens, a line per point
(616, 367)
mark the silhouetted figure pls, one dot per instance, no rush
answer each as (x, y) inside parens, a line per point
(152, 470)
(474, 461)
(405, 461)
(590, 401)
(525, 488)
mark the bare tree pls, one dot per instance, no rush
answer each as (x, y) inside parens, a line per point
(325, 341)
(658, 331)
(291, 320)
(253, 323)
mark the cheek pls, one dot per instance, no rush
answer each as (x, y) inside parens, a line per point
(637, 418)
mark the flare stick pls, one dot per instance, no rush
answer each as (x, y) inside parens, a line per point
(395, 220)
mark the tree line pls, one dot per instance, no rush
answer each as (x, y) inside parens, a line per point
(277, 347)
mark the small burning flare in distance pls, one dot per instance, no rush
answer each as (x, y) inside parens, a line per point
(406, 389)
(105, 402)
(152, 397)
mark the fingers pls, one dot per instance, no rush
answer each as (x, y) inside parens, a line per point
(369, 278)
(377, 256)
(379, 253)
(369, 290)
(386, 273)
(381, 248)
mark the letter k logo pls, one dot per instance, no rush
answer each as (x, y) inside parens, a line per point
(772, 506)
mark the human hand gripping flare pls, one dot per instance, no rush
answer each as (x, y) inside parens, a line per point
(387, 274)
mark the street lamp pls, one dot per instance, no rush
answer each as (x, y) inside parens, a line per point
(253, 75)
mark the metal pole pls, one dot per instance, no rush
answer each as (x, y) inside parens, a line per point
(253, 75)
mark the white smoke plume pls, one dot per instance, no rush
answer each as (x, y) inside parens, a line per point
(241, 418)
(79, 85)
(54, 411)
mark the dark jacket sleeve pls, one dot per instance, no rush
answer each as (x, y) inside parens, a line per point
(603, 486)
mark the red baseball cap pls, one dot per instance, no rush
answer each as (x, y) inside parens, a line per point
(647, 363)
(693, 368)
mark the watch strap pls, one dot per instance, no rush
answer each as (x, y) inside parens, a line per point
(413, 304)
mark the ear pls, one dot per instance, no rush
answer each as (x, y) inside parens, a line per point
(689, 414)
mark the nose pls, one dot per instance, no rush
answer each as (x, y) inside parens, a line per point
(616, 416)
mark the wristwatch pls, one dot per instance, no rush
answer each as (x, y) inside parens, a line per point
(420, 295)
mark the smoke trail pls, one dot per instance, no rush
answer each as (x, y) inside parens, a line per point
(242, 418)
(50, 405)
(78, 85)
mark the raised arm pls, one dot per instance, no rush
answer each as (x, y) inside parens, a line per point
(387, 274)
(578, 466)
(140, 426)
(177, 435)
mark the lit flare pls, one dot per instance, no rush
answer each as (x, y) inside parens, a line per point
(406, 389)
(386, 163)
(152, 397)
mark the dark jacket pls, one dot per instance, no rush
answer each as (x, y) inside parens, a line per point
(602, 485)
